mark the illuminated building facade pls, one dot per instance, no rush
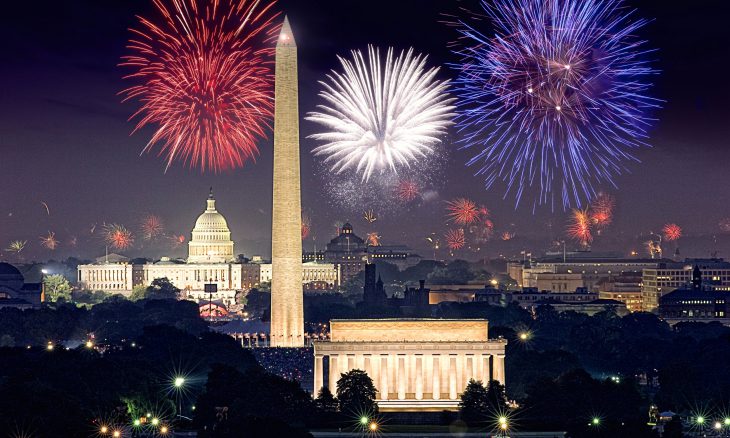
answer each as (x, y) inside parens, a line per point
(668, 276)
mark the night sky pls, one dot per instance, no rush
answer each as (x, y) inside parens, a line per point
(65, 139)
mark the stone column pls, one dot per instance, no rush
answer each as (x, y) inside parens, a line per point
(401, 379)
(419, 377)
(436, 377)
(366, 366)
(350, 362)
(460, 373)
(499, 368)
(318, 374)
(452, 376)
(470, 369)
(384, 372)
(484, 372)
(334, 372)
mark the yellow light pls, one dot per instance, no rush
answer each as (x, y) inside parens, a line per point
(558, 107)
(89, 344)
(104, 429)
(116, 434)
(49, 347)
(718, 425)
(503, 420)
(373, 426)
(163, 430)
(155, 421)
(524, 336)
(504, 426)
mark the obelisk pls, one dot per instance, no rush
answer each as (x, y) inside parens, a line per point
(287, 313)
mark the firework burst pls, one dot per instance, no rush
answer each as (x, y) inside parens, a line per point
(176, 241)
(373, 239)
(579, 227)
(381, 115)
(671, 232)
(407, 190)
(205, 79)
(306, 226)
(16, 246)
(557, 99)
(151, 227)
(724, 225)
(601, 210)
(370, 216)
(49, 241)
(455, 239)
(462, 211)
(118, 237)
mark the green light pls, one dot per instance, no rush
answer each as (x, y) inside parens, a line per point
(700, 419)
(364, 420)
(727, 422)
(155, 421)
(596, 421)
(137, 422)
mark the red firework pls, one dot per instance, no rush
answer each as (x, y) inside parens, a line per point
(462, 211)
(373, 239)
(176, 240)
(671, 232)
(118, 237)
(508, 235)
(205, 74)
(151, 227)
(407, 190)
(601, 210)
(306, 226)
(579, 227)
(49, 241)
(455, 239)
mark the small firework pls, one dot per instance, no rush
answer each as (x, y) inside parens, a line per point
(407, 190)
(151, 227)
(176, 240)
(672, 232)
(462, 211)
(306, 226)
(455, 239)
(601, 210)
(370, 216)
(49, 241)
(507, 235)
(373, 239)
(579, 227)
(118, 237)
(16, 246)
(73, 241)
(724, 225)
(654, 248)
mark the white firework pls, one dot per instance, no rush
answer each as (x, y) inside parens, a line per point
(381, 116)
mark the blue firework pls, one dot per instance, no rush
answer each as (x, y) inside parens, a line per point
(556, 99)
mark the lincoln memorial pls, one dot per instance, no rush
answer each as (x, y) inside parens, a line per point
(415, 364)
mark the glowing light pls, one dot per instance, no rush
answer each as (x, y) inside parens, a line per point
(49, 241)
(579, 227)
(596, 421)
(137, 422)
(700, 420)
(164, 430)
(89, 344)
(373, 426)
(524, 336)
(49, 347)
(155, 421)
(116, 434)
(103, 429)
(672, 232)
(205, 79)
(380, 114)
(718, 425)
(364, 420)
(179, 382)
(584, 114)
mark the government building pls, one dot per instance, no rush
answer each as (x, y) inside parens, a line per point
(211, 260)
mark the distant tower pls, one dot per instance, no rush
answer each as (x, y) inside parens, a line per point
(287, 314)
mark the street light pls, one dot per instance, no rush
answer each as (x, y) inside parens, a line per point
(727, 422)
(179, 382)
(364, 420)
(89, 344)
(596, 421)
(163, 430)
(700, 419)
(373, 426)
(103, 430)
(155, 421)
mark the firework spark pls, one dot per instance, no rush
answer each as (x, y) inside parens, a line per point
(557, 100)
(16, 246)
(407, 190)
(462, 211)
(205, 79)
(601, 210)
(654, 248)
(579, 227)
(455, 239)
(151, 227)
(48, 210)
(176, 241)
(369, 216)
(671, 232)
(381, 115)
(49, 241)
(118, 237)
(373, 239)
(306, 226)
(724, 225)
(507, 235)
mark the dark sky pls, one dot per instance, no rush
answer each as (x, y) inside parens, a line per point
(65, 139)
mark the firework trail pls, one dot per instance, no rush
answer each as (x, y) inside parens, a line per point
(306, 226)
(16, 246)
(556, 101)
(118, 237)
(462, 211)
(579, 227)
(671, 232)
(204, 75)
(370, 216)
(49, 241)
(601, 211)
(151, 227)
(373, 239)
(48, 210)
(455, 239)
(407, 190)
(381, 115)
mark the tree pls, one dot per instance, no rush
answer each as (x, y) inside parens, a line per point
(162, 289)
(474, 404)
(325, 400)
(496, 397)
(356, 393)
(139, 292)
(56, 287)
(673, 428)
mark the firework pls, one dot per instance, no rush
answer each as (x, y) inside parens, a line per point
(671, 232)
(654, 248)
(507, 235)
(373, 239)
(601, 210)
(579, 227)
(370, 216)
(48, 210)
(151, 227)
(16, 246)
(381, 115)
(176, 241)
(306, 226)
(455, 239)
(73, 241)
(557, 100)
(118, 237)
(462, 211)
(205, 79)
(407, 190)
(49, 241)
(724, 225)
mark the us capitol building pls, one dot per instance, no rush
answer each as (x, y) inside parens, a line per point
(210, 259)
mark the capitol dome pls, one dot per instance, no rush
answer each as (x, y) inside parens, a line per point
(211, 241)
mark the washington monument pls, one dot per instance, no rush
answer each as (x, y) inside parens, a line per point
(287, 314)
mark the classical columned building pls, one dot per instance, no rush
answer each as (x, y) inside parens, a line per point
(415, 364)
(211, 238)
